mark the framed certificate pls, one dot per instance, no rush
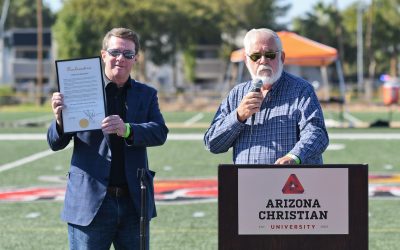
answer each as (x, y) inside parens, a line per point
(81, 83)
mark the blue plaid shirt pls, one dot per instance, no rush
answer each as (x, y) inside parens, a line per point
(290, 121)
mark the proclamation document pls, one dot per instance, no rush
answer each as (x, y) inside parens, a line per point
(81, 83)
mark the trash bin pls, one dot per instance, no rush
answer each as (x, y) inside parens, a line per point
(390, 92)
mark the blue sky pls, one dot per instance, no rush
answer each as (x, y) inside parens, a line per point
(301, 7)
(54, 4)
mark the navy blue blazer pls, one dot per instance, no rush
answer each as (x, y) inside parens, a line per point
(91, 158)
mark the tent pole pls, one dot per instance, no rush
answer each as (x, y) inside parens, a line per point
(342, 86)
(341, 80)
(325, 83)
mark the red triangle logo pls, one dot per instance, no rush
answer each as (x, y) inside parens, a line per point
(293, 186)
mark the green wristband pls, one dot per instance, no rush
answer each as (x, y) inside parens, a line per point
(294, 157)
(128, 130)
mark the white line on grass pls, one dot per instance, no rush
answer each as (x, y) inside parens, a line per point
(20, 137)
(336, 146)
(39, 137)
(333, 136)
(185, 137)
(341, 136)
(351, 118)
(365, 136)
(194, 119)
(198, 136)
(28, 159)
(172, 137)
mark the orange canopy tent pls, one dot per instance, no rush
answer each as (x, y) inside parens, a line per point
(299, 51)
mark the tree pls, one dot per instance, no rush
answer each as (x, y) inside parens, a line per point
(385, 35)
(380, 29)
(165, 26)
(324, 24)
(380, 26)
(22, 14)
(256, 14)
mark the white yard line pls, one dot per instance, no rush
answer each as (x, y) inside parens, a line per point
(365, 136)
(185, 137)
(198, 136)
(28, 159)
(351, 118)
(194, 119)
(172, 137)
(22, 137)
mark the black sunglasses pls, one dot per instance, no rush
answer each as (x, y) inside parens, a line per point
(128, 54)
(268, 54)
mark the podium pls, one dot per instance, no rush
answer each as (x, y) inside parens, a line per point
(287, 207)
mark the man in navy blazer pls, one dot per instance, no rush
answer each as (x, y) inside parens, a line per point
(103, 200)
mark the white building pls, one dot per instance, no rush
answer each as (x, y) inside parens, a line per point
(18, 53)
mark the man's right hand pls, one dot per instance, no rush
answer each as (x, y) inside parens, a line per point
(249, 105)
(57, 104)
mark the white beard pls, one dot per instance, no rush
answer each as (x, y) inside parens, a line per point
(268, 79)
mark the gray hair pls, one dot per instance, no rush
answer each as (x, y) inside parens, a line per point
(123, 33)
(251, 34)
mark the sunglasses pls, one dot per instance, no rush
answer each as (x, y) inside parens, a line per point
(128, 54)
(268, 54)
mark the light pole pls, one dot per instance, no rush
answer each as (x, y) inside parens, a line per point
(360, 54)
(3, 18)
(39, 69)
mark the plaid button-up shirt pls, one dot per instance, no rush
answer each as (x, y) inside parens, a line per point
(290, 121)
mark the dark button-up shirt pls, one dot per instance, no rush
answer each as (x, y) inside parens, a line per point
(116, 105)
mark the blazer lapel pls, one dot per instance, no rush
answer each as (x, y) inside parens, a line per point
(133, 101)
(132, 105)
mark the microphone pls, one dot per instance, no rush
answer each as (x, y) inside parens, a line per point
(255, 87)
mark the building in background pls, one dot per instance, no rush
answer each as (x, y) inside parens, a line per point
(19, 62)
(18, 68)
(209, 67)
(208, 73)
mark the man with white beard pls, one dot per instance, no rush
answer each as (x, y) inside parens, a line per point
(286, 124)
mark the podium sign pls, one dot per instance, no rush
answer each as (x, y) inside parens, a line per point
(305, 207)
(293, 201)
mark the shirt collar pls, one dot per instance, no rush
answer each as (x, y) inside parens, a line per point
(127, 84)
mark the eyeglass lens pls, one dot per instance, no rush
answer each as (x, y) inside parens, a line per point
(256, 56)
(126, 53)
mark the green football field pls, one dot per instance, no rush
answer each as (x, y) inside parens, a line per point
(179, 225)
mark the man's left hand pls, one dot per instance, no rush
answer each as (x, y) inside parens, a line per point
(113, 124)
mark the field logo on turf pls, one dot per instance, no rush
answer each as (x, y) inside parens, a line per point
(165, 191)
(198, 190)
(186, 191)
(384, 185)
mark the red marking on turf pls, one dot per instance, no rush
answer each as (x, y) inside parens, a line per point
(189, 190)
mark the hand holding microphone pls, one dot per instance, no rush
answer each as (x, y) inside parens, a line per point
(251, 102)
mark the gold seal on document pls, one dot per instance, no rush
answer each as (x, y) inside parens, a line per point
(83, 123)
